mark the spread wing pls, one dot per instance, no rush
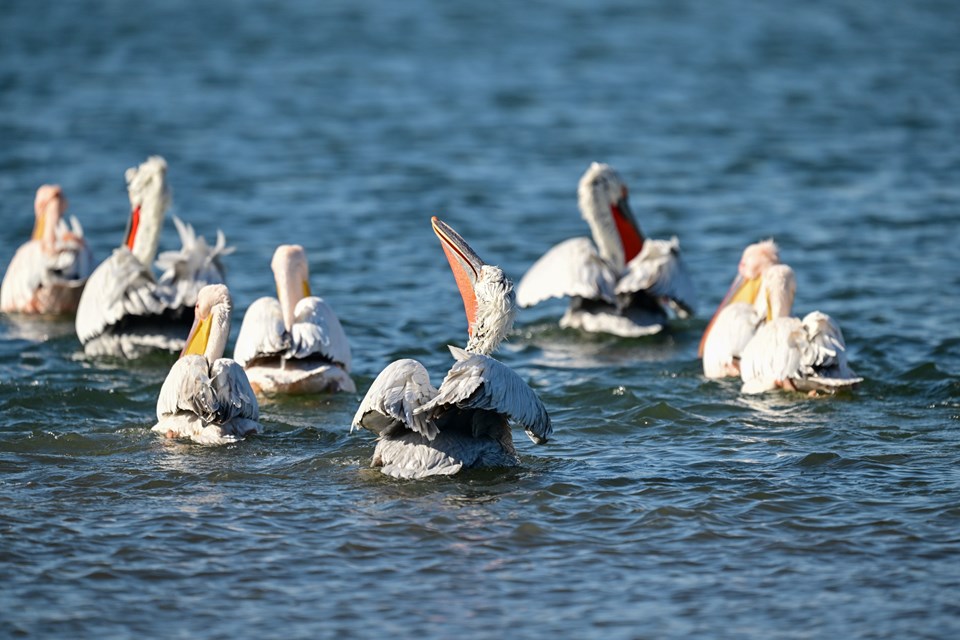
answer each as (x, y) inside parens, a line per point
(232, 392)
(393, 399)
(195, 265)
(572, 268)
(317, 330)
(121, 286)
(730, 333)
(262, 334)
(479, 382)
(187, 389)
(659, 271)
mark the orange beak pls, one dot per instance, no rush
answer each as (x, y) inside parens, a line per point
(465, 265)
(741, 290)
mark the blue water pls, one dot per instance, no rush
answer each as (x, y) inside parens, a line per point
(667, 506)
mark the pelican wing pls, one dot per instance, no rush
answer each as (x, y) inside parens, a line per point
(317, 331)
(187, 389)
(119, 287)
(195, 265)
(24, 275)
(824, 354)
(659, 271)
(479, 382)
(262, 334)
(730, 333)
(71, 260)
(231, 389)
(392, 401)
(772, 355)
(572, 268)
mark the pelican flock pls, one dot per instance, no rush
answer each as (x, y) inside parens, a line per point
(47, 274)
(423, 431)
(620, 283)
(125, 310)
(293, 343)
(206, 397)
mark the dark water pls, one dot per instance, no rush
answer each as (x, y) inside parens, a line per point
(667, 506)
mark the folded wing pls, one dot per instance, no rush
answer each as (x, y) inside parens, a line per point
(393, 399)
(659, 271)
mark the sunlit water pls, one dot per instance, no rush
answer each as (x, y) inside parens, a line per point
(666, 505)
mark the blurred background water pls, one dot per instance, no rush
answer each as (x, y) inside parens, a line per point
(666, 505)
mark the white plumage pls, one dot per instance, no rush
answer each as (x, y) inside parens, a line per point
(425, 431)
(47, 274)
(127, 311)
(793, 354)
(293, 343)
(621, 282)
(205, 397)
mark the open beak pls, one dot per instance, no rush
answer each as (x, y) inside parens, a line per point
(464, 263)
(132, 225)
(741, 290)
(198, 337)
(630, 235)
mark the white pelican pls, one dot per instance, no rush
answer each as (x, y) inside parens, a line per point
(293, 343)
(207, 397)
(789, 353)
(621, 283)
(125, 310)
(47, 273)
(424, 431)
(739, 314)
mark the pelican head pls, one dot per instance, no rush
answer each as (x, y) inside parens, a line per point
(48, 207)
(488, 297)
(149, 199)
(292, 275)
(211, 323)
(778, 288)
(606, 208)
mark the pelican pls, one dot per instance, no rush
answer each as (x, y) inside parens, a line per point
(621, 283)
(207, 397)
(790, 353)
(424, 431)
(739, 314)
(293, 343)
(126, 310)
(48, 272)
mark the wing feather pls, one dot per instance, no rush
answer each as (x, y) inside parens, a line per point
(195, 265)
(392, 401)
(262, 333)
(572, 268)
(231, 389)
(730, 333)
(120, 286)
(317, 330)
(659, 271)
(187, 389)
(480, 382)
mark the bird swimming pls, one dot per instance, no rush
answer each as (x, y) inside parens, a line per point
(206, 397)
(293, 343)
(621, 282)
(739, 314)
(424, 431)
(793, 354)
(125, 309)
(47, 273)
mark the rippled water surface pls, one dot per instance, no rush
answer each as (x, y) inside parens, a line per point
(666, 505)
